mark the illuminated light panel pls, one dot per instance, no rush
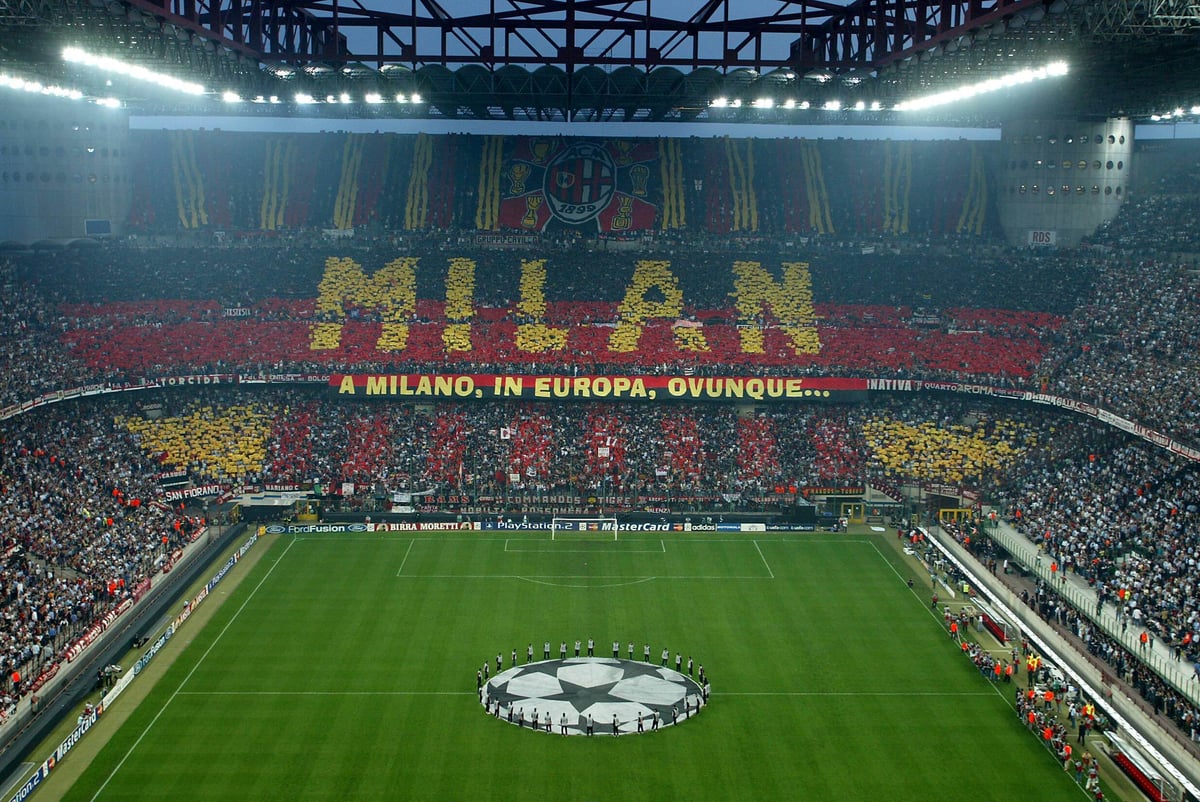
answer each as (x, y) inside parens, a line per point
(106, 64)
(1053, 70)
(36, 87)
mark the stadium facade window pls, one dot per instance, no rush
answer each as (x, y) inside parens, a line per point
(1050, 191)
(1022, 189)
(1109, 164)
(1121, 139)
(1120, 165)
(1108, 190)
(1096, 165)
(1066, 165)
(1095, 189)
(1053, 140)
(1066, 189)
(1034, 189)
(1112, 140)
(1082, 165)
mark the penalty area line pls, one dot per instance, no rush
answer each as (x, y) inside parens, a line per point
(195, 668)
(764, 559)
(406, 553)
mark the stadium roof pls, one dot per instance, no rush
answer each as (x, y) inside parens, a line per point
(636, 60)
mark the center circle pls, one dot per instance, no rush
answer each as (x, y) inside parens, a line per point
(614, 697)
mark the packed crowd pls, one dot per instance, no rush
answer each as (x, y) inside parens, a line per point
(1096, 323)
(83, 527)
(280, 436)
(1121, 514)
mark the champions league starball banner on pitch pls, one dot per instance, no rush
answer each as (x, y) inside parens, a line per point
(604, 186)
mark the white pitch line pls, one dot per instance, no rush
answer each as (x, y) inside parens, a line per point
(406, 553)
(853, 693)
(569, 576)
(199, 662)
(583, 551)
(764, 559)
(620, 584)
(326, 693)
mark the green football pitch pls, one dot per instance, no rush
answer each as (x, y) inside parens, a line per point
(343, 667)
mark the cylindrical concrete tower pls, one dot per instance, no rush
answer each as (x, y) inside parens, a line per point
(1060, 179)
(64, 169)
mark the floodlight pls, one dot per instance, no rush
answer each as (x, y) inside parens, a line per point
(374, 97)
(416, 98)
(20, 84)
(1052, 70)
(107, 64)
(231, 97)
(304, 99)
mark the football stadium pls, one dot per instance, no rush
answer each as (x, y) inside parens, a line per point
(608, 400)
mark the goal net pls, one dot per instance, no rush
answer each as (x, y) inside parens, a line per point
(586, 528)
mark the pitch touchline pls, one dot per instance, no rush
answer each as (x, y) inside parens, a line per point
(178, 690)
